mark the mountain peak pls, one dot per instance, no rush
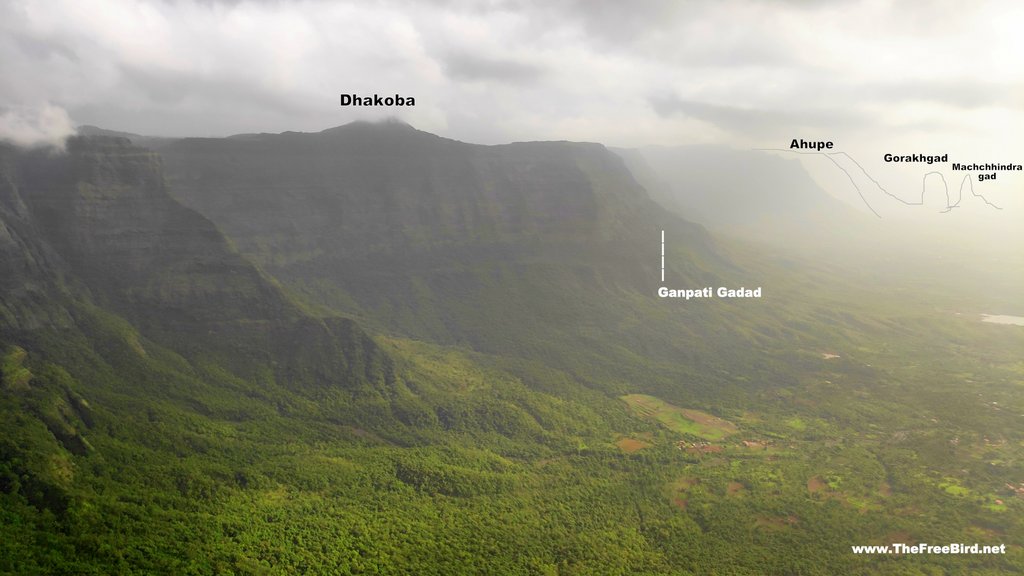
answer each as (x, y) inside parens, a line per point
(390, 123)
(358, 134)
(90, 130)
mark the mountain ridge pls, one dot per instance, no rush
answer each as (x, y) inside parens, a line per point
(388, 224)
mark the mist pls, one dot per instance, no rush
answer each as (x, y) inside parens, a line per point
(45, 125)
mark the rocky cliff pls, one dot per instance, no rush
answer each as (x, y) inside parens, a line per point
(94, 226)
(437, 238)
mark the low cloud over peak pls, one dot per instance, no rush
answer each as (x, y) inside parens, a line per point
(45, 125)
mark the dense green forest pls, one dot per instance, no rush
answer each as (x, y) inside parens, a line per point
(510, 398)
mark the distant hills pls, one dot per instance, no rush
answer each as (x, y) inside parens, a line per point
(746, 193)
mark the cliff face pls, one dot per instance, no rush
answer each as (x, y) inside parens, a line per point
(30, 272)
(104, 206)
(365, 189)
(434, 237)
(96, 224)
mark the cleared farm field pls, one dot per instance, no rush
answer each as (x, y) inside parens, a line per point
(681, 420)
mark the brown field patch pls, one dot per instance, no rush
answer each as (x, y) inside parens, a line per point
(884, 489)
(776, 522)
(816, 484)
(631, 445)
(685, 483)
(678, 490)
(705, 419)
(983, 534)
(751, 417)
(908, 511)
(898, 537)
(734, 489)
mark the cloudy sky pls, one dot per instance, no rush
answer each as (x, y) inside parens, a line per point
(873, 76)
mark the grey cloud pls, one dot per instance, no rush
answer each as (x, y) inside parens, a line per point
(190, 104)
(962, 94)
(618, 26)
(168, 88)
(40, 49)
(464, 66)
(613, 23)
(748, 121)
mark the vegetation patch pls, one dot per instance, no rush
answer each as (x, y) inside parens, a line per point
(680, 489)
(951, 486)
(796, 424)
(12, 373)
(994, 503)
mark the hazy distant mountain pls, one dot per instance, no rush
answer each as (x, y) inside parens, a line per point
(136, 139)
(748, 193)
(90, 130)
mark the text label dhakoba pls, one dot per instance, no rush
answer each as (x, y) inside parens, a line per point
(377, 100)
(709, 292)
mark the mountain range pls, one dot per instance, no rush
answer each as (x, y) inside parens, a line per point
(375, 350)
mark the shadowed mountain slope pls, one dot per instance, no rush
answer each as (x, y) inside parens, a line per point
(521, 249)
(94, 228)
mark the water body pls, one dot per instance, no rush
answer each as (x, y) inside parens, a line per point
(1003, 319)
